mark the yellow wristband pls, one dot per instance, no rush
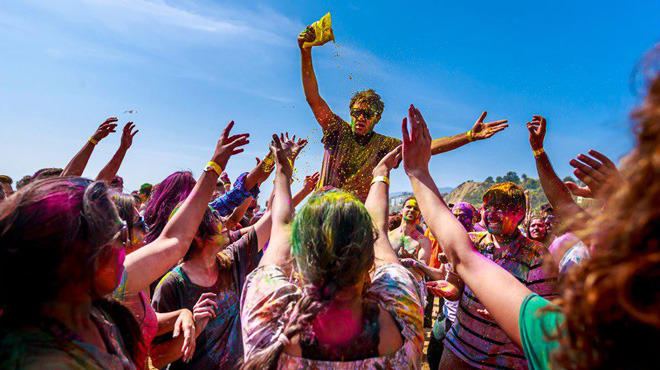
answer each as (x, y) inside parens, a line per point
(469, 135)
(381, 179)
(537, 153)
(91, 140)
(216, 167)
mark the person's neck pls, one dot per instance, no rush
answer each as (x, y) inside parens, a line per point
(363, 139)
(408, 227)
(72, 308)
(504, 240)
(202, 269)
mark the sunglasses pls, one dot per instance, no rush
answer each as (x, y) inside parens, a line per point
(121, 238)
(367, 113)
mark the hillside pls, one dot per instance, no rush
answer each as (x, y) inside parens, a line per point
(472, 192)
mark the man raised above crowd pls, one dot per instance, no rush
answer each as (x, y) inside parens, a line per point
(353, 150)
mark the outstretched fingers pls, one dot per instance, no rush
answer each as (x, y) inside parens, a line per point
(110, 120)
(227, 130)
(482, 117)
(603, 158)
(413, 122)
(497, 123)
(590, 161)
(579, 191)
(404, 130)
(587, 170)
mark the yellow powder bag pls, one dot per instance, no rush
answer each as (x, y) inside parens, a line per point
(323, 31)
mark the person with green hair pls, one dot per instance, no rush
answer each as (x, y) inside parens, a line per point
(145, 191)
(355, 306)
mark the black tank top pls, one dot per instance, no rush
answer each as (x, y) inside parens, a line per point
(364, 346)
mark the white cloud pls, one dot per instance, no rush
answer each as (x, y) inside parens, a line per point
(218, 20)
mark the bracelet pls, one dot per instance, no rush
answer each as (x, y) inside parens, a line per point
(381, 179)
(213, 166)
(537, 153)
(91, 140)
(469, 135)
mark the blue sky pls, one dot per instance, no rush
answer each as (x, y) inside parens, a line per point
(188, 67)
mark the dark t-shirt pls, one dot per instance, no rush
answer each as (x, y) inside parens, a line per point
(220, 346)
(347, 163)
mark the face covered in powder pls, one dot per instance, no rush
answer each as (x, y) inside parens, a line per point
(501, 219)
(466, 215)
(410, 210)
(364, 117)
(537, 229)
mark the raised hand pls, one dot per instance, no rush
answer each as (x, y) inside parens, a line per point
(224, 177)
(483, 130)
(597, 172)
(127, 135)
(185, 323)
(204, 310)
(297, 145)
(105, 129)
(536, 128)
(417, 143)
(311, 180)
(389, 161)
(307, 35)
(281, 149)
(228, 145)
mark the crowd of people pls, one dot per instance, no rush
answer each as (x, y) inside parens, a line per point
(192, 273)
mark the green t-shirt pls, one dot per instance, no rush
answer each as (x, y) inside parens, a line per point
(535, 326)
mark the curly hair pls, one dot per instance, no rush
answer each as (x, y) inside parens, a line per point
(370, 97)
(611, 303)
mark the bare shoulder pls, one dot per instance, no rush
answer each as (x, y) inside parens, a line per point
(390, 335)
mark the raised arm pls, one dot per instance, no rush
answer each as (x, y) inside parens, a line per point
(79, 161)
(110, 170)
(483, 276)
(320, 108)
(377, 204)
(308, 186)
(237, 214)
(554, 189)
(247, 185)
(148, 263)
(480, 130)
(279, 248)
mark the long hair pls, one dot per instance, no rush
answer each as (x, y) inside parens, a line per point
(164, 198)
(611, 302)
(125, 204)
(52, 233)
(332, 243)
